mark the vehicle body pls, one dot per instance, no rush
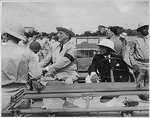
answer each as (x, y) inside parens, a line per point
(87, 98)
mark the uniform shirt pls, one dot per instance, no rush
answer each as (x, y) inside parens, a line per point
(124, 44)
(64, 62)
(37, 57)
(117, 45)
(95, 60)
(139, 50)
(18, 64)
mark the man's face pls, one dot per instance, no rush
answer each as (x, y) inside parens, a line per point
(102, 50)
(62, 36)
(144, 31)
(122, 39)
(102, 30)
(109, 33)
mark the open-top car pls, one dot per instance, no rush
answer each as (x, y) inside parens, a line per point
(125, 97)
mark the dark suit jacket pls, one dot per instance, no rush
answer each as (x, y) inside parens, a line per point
(103, 68)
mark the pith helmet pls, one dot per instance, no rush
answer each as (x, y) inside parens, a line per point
(123, 35)
(16, 30)
(107, 43)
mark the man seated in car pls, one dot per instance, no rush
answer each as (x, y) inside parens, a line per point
(101, 70)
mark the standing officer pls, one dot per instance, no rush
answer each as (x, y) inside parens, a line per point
(139, 56)
(18, 65)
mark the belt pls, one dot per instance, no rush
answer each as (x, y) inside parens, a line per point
(14, 85)
(143, 60)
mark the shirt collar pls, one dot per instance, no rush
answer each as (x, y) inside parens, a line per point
(66, 43)
(107, 56)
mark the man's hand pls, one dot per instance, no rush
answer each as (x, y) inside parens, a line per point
(94, 78)
(44, 71)
(37, 85)
(50, 72)
(135, 68)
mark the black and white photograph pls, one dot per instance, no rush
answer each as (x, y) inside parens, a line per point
(74, 58)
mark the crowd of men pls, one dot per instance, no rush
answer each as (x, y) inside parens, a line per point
(26, 60)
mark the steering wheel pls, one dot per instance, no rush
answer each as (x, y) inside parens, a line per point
(117, 66)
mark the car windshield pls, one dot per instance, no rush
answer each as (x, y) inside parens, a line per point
(90, 40)
(87, 46)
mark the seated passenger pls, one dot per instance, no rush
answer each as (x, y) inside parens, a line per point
(63, 58)
(101, 70)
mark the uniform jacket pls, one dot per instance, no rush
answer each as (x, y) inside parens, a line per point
(18, 64)
(139, 51)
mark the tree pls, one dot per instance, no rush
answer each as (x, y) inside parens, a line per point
(116, 29)
(87, 33)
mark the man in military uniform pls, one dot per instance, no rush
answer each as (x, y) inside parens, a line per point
(139, 56)
(106, 50)
(18, 65)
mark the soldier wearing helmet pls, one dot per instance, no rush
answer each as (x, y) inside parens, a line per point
(106, 47)
(18, 66)
(106, 50)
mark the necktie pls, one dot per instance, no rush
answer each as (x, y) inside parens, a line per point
(61, 47)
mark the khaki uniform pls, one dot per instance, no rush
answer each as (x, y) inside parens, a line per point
(124, 48)
(18, 66)
(63, 63)
(117, 45)
(139, 55)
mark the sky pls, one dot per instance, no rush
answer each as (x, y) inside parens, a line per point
(79, 15)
